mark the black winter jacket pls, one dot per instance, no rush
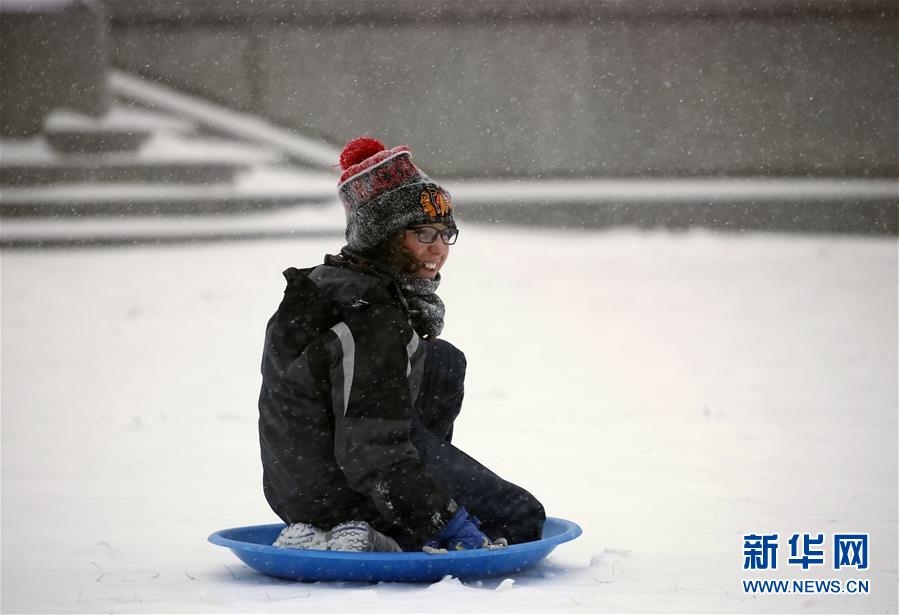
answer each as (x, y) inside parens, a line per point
(341, 370)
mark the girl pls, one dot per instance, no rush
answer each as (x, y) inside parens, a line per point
(359, 394)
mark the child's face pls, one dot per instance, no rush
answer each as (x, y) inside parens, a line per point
(427, 258)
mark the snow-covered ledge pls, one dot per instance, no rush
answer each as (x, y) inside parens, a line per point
(223, 120)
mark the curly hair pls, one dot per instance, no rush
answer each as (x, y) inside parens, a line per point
(391, 252)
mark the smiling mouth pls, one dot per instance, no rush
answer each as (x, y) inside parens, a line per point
(429, 266)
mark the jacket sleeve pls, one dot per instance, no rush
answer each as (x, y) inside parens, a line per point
(369, 358)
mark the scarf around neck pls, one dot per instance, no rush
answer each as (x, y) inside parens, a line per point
(425, 307)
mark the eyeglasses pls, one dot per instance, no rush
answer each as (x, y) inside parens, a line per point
(428, 234)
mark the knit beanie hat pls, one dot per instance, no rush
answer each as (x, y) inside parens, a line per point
(383, 192)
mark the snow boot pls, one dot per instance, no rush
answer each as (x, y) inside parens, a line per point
(302, 536)
(361, 537)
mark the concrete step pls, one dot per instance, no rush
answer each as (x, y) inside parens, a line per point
(77, 141)
(290, 222)
(766, 204)
(123, 129)
(163, 158)
(121, 116)
(30, 174)
(258, 189)
(860, 207)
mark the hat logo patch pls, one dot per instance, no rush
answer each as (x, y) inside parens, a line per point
(435, 202)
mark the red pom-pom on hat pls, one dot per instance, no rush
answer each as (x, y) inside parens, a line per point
(359, 149)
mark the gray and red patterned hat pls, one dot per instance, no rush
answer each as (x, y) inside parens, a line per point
(383, 192)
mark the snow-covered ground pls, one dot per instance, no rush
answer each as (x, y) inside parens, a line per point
(669, 392)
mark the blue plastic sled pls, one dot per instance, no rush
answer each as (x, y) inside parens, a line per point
(253, 545)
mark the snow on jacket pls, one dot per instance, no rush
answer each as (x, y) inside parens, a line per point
(341, 370)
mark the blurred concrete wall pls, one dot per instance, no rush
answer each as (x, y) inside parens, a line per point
(53, 54)
(551, 88)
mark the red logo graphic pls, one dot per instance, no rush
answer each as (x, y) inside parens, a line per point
(435, 202)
